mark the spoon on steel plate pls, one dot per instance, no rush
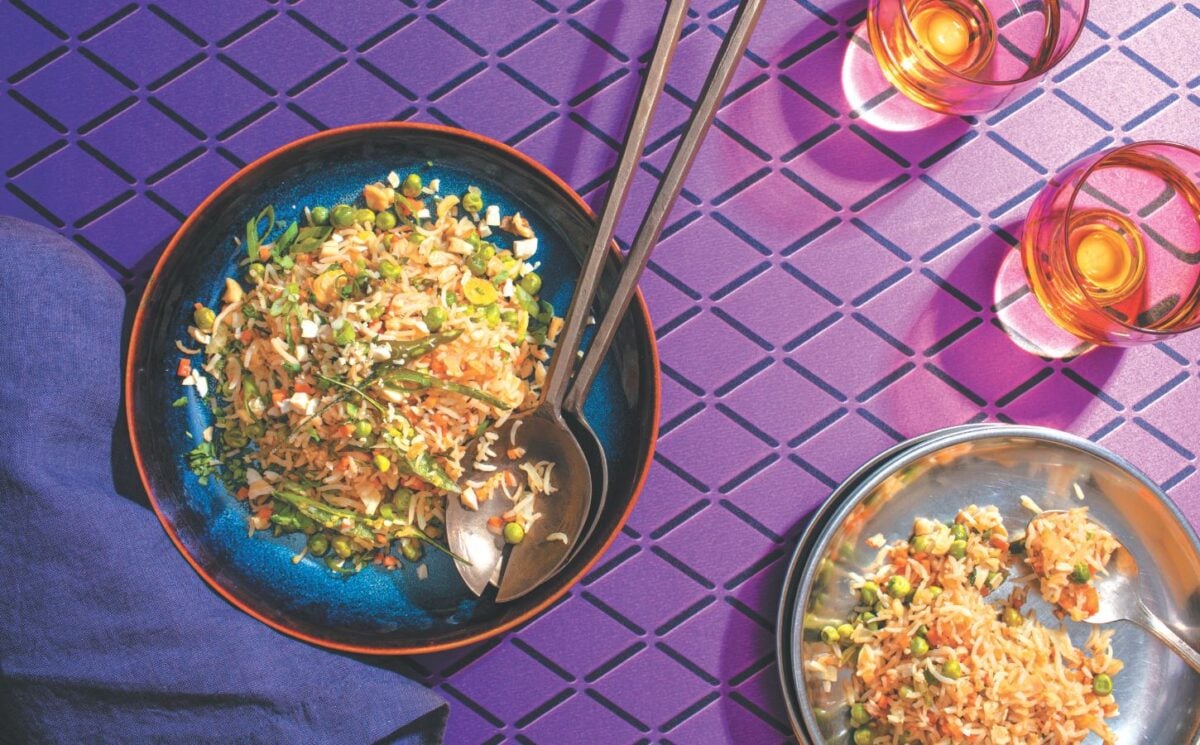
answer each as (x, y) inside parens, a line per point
(1121, 600)
(648, 231)
(542, 432)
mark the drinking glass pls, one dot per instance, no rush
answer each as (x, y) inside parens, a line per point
(1111, 246)
(970, 56)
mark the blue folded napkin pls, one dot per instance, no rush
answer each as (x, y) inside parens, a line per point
(106, 633)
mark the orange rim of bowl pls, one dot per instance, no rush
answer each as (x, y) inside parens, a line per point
(1065, 236)
(135, 343)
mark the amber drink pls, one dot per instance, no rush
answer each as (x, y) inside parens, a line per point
(1111, 246)
(970, 56)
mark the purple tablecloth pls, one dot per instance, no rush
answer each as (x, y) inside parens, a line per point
(824, 289)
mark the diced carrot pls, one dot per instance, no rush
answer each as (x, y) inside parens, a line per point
(185, 367)
(264, 253)
(509, 479)
(264, 512)
(437, 366)
(303, 387)
(346, 430)
(304, 259)
(243, 494)
(494, 522)
(343, 463)
(278, 395)
(390, 562)
(246, 336)
(998, 542)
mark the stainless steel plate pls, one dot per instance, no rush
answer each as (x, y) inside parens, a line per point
(789, 664)
(1157, 692)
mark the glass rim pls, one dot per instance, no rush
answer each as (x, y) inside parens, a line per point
(1029, 74)
(1063, 233)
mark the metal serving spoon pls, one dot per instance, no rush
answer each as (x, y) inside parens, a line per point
(651, 226)
(1121, 600)
(542, 432)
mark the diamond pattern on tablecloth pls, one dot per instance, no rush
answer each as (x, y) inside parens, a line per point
(813, 257)
(143, 47)
(93, 91)
(720, 560)
(269, 52)
(580, 634)
(780, 403)
(1115, 70)
(37, 41)
(653, 687)
(491, 684)
(144, 158)
(211, 97)
(778, 496)
(47, 183)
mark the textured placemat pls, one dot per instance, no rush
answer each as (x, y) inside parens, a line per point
(824, 289)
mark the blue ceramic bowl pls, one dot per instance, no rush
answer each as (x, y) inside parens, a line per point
(374, 611)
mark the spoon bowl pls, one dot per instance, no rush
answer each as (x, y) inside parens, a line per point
(1120, 597)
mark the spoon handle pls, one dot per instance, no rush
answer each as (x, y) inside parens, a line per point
(1166, 635)
(702, 117)
(558, 377)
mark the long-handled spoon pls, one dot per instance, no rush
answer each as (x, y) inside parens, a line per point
(542, 432)
(669, 187)
(1121, 600)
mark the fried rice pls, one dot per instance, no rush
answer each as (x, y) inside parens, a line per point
(933, 662)
(358, 359)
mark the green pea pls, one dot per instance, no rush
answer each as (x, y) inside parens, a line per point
(863, 736)
(204, 318)
(934, 591)
(351, 409)
(513, 533)
(472, 201)
(435, 317)
(958, 549)
(868, 619)
(319, 215)
(952, 669)
(318, 544)
(402, 498)
(531, 283)
(364, 216)
(491, 314)
(344, 334)
(958, 531)
(385, 220)
(899, 587)
(487, 251)
(1081, 575)
(389, 269)
(859, 716)
(921, 544)
(869, 593)
(411, 549)
(363, 428)
(923, 631)
(387, 512)
(509, 317)
(476, 264)
(1012, 617)
(830, 635)
(1102, 685)
(918, 646)
(342, 216)
(411, 187)
(255, 272)
(342, 546)
(845, 631)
